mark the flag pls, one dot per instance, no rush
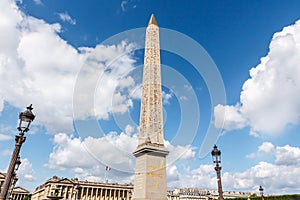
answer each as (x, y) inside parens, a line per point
(107, 168)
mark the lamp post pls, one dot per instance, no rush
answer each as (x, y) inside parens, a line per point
(216, 155)
(25, 119)
(261, 191)
(14, 178)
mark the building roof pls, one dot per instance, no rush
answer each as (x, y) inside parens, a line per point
(20, 190)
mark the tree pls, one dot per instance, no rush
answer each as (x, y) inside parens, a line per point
(27, 197)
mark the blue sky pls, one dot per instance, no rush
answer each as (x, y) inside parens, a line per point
(235, 70)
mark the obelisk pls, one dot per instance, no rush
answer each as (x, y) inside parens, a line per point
(150, 173)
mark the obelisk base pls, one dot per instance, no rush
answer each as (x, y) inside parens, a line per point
(150, 174)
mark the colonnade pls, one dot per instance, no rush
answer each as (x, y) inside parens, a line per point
(18, 196)
(88, 192)
(105, 193)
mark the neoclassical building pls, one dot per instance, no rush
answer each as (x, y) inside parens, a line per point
(19, 193)
(16, 193)
(73, 189)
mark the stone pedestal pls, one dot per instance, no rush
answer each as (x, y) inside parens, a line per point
(150, 174)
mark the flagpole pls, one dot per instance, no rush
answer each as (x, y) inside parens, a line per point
(106, 181)
(106, 169)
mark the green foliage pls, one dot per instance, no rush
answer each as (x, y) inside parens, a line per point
(27, 197)
(279, 197)
(284, 197)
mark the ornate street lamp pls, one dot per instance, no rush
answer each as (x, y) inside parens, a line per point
(216, 155)
(261, 191)
(25, 118)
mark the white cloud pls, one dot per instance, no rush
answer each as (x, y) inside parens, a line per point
(229, 117)
(251, 155)
(66, 18)
(32, 67)
(137, 92)
(1, 103)
(275, 178)
(103, 86)
(129, 129)
(5, 137)
(179, 152)
(25, 172)
(270, 98)
(266, 149)
(254, 133)
(86, 158)
(287, 155)
(201, 177)
(69, 152)
(166, 97)
(172, 173)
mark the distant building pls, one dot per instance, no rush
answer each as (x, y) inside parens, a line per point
(17, 193)
(234, 194)
(192, 194)
(172, 195)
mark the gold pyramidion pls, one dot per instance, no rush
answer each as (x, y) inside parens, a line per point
(152, 20)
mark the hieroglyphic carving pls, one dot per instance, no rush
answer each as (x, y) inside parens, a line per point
(151, 121)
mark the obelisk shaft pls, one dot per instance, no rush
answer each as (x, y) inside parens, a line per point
(151, 120)
(150, 172)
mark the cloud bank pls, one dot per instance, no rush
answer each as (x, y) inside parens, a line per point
(86, 159)
(269, 100)
(37, 66)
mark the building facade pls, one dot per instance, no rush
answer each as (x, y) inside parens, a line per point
(192, 194)
(19, 193)
(73, 189)
(16, 193)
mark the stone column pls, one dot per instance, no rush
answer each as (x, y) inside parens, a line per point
(101, 193)
(82, 191)
(97, 193)
(92, 193)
